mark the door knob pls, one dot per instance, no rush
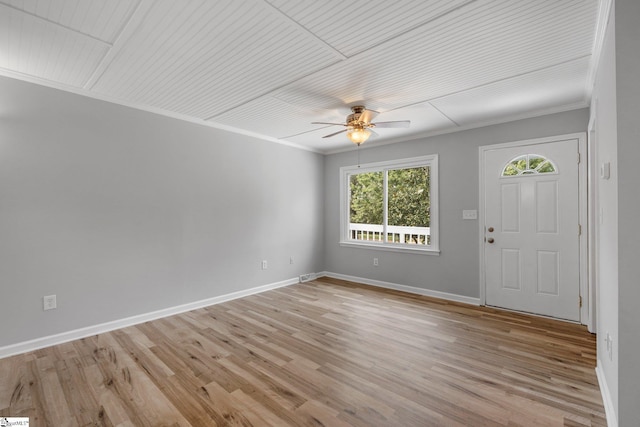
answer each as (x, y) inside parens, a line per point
(490, 240)
(490, 229)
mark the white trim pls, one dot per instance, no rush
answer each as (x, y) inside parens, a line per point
(351, 147)
(602, 22)
(593, 227)
(89, 94)
(42, 342)
(585, 312)
(428, 160)
(373, 143)
(64, 337)
(412, 249)
(609, 407)
(130, 27)
(583, 218)
(404, 288)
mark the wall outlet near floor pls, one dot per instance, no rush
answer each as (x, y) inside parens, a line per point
(264, 264)
(291, 259)
(307, 276)
(49, 302)
(375, 262)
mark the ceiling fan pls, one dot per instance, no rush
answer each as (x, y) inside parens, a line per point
(359, 126)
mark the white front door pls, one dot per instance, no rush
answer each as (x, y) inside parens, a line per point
(532, 243)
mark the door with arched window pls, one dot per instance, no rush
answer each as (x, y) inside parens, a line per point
(531, 231)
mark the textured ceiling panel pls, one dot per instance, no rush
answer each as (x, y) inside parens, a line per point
(354, 26)
(97, 18)
(562, 85)
(202, 59)
(274, 66)
(264, 115)
(473, 46)
(34, 46)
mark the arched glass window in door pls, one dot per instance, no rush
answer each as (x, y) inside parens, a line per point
(528, 164)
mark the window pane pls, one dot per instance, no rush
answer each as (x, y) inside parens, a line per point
(391, 204)
(519, 163)
(529, 164)
(366, 206)
(510, 170)
(546, 167)
(534, 161)
(408, 206)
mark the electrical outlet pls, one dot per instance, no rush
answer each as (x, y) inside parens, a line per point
(49, 302)
(291, 259)
(608, 339)
(375, 262)
(264, 264)
(605, 170)
(305, 277)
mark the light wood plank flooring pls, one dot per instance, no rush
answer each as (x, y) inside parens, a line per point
(322, 353)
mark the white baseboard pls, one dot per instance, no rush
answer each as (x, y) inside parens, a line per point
(63, 337)
(405, 288)
(609, 407)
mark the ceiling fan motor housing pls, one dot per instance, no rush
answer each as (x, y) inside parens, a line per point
(354, 118)
(359, 124)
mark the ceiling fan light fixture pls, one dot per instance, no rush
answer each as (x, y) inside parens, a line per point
(359, 124)
(358, 135)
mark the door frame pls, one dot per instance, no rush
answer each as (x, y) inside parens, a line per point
(588, 306)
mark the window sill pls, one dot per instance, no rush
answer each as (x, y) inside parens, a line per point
(391, 248)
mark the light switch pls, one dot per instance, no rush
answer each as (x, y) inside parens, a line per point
(605, 170)
(470, 214)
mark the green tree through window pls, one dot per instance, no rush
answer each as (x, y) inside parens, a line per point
(528, 164)
(366, 205)
(409, 199)
(391, 204)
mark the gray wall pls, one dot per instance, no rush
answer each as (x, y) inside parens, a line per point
(628, 110)
(617, 127)
(606, 191)
(121, 212)
(456, 270)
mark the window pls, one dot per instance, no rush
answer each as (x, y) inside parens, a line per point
(528, 164)
(391, 205)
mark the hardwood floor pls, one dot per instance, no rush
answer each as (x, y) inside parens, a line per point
(322, 353)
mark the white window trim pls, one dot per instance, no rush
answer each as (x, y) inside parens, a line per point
(345, 171)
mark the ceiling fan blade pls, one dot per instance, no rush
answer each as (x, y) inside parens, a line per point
(367, 115)
(394, 124)
(334, 134)
(325, 123)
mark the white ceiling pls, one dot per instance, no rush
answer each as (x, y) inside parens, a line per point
(271, 67)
